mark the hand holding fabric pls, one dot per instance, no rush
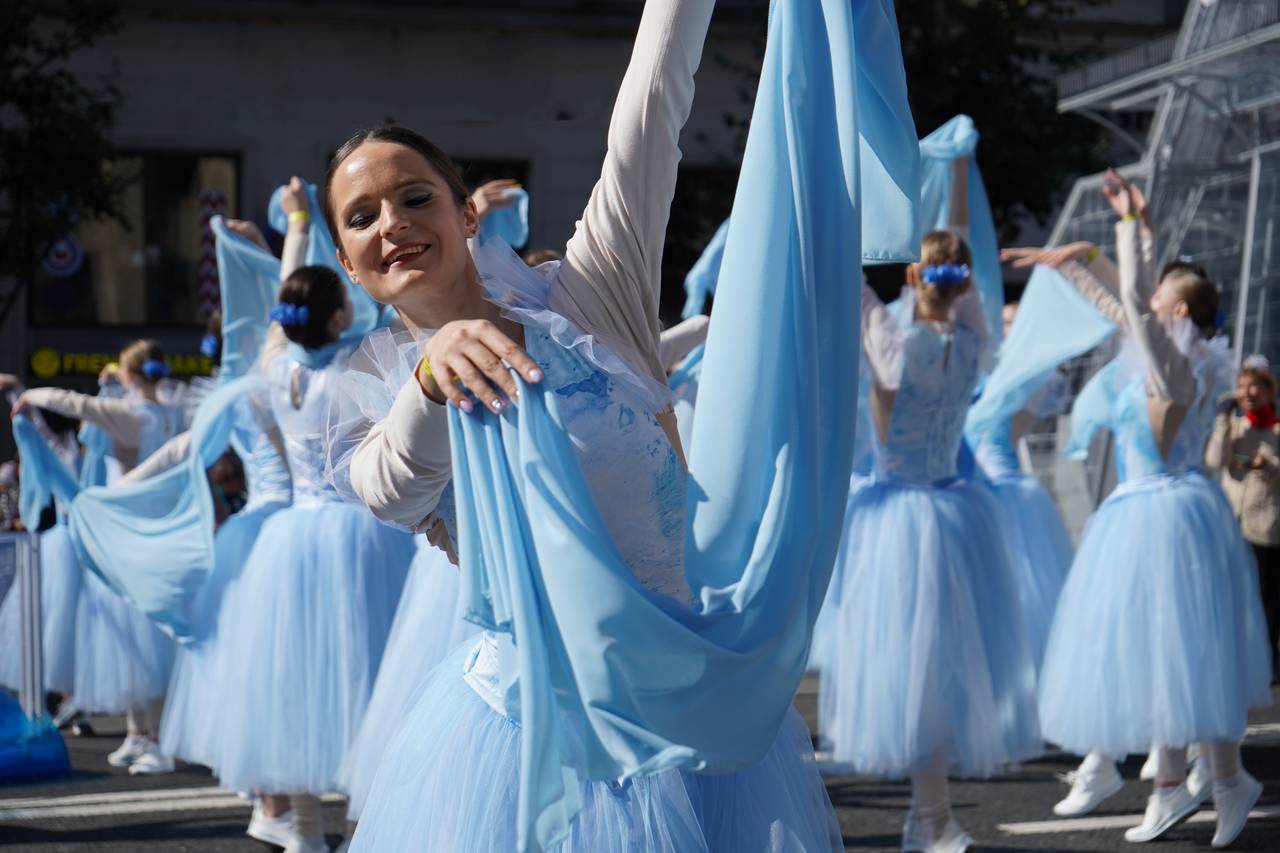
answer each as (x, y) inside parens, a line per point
(494, 195)
(249, 231)
(472, 353)
(293, 197)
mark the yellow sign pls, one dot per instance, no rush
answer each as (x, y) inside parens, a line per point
(47, 363)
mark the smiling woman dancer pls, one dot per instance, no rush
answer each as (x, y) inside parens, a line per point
(402, 222)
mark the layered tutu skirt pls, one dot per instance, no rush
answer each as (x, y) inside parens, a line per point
(448, 781)
(301, 635)
(122, 659)
(428, 625)
(1159, 635)
(191, 727)
(931, 661)
(1041, 550)
(60, 580)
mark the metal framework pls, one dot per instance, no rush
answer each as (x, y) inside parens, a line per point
(1210, 166)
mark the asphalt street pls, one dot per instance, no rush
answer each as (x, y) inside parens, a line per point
(104, 809)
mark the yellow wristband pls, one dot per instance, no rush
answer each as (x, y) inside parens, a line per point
(299, 216)
(426, 366)
(1092, 256)
(1129, 217)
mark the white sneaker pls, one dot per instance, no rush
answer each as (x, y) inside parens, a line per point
(1233, 799)
(1166, 808)
(302, 844)
(153, 762)
(270, 830)
(916, 840)
(1088, 790)
(133, 748)
(1148, 771)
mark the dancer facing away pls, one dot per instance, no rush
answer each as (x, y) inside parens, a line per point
(314, 601)
(931, 671)
(448, 780)
(1159, 633)
(193, 724)
(123, 660)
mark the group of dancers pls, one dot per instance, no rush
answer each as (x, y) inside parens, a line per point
(447, 450)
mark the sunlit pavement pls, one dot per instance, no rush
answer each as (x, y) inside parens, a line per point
(104, 809)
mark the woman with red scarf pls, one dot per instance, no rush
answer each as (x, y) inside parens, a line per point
(1245, 448)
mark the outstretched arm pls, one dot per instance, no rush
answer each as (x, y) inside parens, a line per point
(609, 281)
(122, 421)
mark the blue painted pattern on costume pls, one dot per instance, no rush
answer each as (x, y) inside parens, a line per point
(939, 375)
(634, 474)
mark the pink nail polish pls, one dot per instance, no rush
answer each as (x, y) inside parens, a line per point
(465, 405)
(497, 405)
(535, 375)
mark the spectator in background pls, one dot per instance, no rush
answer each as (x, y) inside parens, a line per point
(1245, 450)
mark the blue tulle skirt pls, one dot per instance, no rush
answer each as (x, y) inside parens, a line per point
(428, 625)
(449, 780)
(191, 726)
(301, 636)
(123, 660)
(931, 660)
(1159, 636)
(1041, 550)
(60, 580)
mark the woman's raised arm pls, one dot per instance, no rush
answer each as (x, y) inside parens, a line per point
(611, 275)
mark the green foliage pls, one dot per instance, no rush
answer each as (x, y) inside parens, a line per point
(53, 130)
(998, 61)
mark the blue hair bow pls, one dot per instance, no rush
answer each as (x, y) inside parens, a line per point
(289, 314)
(1220, 319)
(209, 345)
(945, 275)
(154, 369)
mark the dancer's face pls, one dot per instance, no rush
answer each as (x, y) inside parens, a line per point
(1167, 303)
(402, 234)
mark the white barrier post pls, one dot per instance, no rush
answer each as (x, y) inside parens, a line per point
(24, 552)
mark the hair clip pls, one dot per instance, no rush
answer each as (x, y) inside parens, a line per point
(1220, 319)
(155, 369)
(945, 275)
(289, 314)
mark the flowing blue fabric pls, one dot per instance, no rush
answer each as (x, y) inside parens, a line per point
(650, 681)
(250, 280)
(44, 476)
(97, 446)
(321, 251)
(1054, 323)
(959, 138)
(511, 224)
(152, 541)
(889, 159)
(701, 280)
